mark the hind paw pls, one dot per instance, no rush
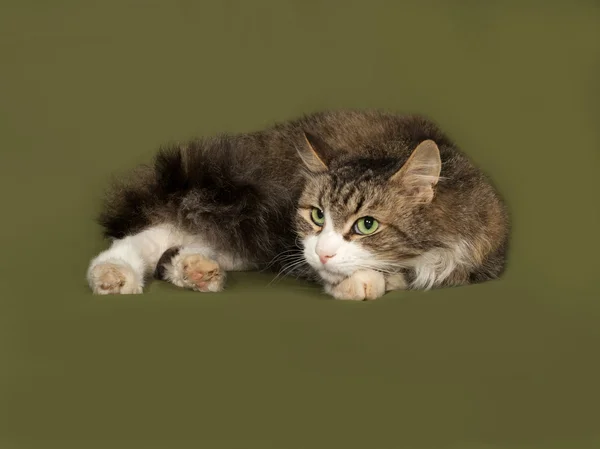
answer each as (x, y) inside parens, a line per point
(193, 271)
(113, 278)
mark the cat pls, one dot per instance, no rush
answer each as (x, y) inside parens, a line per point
(362, 201)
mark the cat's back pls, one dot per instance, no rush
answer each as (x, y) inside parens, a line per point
(376, 134)
(371, 132)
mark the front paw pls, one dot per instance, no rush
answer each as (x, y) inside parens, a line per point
(362, 285)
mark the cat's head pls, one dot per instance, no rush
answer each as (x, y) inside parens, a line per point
(364, 212)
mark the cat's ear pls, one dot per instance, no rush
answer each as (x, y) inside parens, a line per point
(315, 153)
(421, 172)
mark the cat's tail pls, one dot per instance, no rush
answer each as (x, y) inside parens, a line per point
(145, 197)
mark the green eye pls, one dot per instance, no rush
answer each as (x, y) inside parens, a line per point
(317, 216)
(366, 225)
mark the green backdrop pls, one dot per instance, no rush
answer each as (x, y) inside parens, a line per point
(88, 89)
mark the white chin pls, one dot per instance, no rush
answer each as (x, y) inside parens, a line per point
(332, 274)
(330, 277)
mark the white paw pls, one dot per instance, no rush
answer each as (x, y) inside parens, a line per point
(109, 278)
(362, 285)
(196, 272)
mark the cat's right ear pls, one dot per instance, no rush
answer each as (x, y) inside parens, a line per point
(315, 153)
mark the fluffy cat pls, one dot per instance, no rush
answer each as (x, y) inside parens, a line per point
(362, 201)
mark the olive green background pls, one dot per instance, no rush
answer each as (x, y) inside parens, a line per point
(88, 89)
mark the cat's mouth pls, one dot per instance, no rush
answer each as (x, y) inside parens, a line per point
(336, 270)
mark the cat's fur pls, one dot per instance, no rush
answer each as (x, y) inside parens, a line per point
(238, 202)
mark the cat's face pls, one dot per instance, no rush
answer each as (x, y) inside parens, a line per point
(362, 213)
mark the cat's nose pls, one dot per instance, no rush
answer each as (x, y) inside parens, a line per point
(325, 257)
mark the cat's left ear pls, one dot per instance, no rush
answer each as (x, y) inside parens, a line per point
(315, 153)
(421, 172)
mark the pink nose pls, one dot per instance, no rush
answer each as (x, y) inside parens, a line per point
(325, 257)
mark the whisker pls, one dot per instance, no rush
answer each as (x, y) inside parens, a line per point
(286, 269)
(284, 255)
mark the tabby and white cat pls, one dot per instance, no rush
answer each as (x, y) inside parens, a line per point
(362, 201)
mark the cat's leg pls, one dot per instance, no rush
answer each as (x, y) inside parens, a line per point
(396, 281)
(362, 285)
(193, 267)
(122, 268)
